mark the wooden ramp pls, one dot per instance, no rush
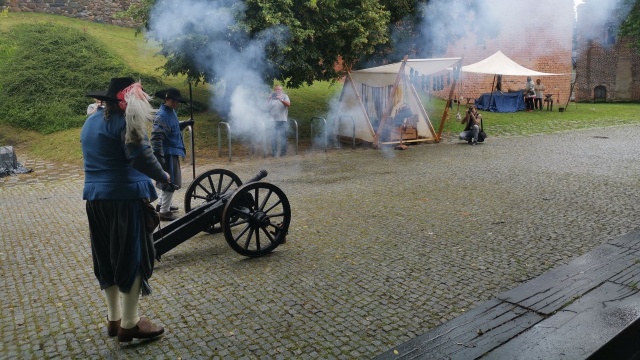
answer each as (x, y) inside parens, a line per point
(589, 308)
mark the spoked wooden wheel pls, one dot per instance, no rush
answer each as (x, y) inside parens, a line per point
(208, 187)
(256, 219)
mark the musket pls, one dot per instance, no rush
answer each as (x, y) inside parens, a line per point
(193, 146)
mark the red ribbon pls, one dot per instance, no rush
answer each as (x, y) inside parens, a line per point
(136, 88)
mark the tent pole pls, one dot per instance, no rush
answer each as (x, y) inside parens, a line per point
(423, 111)
(491, 93)
(390, 104)
(445, 114)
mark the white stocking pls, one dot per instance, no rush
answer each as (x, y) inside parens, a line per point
(114, 309)
(130, 316)
(165, 201)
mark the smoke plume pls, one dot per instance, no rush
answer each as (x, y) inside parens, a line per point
(237, 61)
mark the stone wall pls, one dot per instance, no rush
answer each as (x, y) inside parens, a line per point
(604, 61)
(102, 11)
(542, 43)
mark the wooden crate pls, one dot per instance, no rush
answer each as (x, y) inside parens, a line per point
(409, 134)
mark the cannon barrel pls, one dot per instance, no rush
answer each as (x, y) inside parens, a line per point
(259, 176)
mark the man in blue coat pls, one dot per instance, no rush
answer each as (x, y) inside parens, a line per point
(118, 167)
(168, 147)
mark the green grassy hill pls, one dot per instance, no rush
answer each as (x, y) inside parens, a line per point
(48, 63)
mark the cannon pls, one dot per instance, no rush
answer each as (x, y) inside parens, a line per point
(254, 217)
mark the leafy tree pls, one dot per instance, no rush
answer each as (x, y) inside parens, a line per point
(303, 38)
(631, 26)
(423, 28)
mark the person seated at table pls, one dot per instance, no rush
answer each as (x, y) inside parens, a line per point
(472, 128)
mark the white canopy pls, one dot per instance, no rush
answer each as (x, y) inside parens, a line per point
(499, 63)
(386, 74)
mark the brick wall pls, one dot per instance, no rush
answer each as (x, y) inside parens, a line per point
(604, 60)
(102, 11)
(542, 43)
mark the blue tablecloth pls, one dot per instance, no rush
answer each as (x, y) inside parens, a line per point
(501, 102)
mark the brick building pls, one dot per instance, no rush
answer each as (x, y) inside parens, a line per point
(607, 67)
(540, 40)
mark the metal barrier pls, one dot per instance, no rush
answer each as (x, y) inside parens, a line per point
(264, 141)
(222, 123)
(353, 123)
(193, 149)
(295, 123)
(326, 131)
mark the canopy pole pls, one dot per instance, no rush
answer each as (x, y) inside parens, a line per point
(491, 93)
(445, 114)
(390, 104)
(193, 144)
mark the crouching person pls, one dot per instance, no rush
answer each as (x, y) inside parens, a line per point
(472, 128)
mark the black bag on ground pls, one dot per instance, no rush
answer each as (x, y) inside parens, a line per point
(481, 135)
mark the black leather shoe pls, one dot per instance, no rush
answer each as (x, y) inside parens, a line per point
(113, 327)
(144, 329)
(171, 208)
(167, 216)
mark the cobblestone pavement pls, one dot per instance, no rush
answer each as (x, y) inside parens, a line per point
(383, 245)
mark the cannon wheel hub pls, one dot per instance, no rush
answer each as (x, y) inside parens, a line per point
(256, 219)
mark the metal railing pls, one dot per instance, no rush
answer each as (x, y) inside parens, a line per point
(353, 123)
(295, 123)
(222, 123)
(193, 149)
(326, 131)
(265, 147)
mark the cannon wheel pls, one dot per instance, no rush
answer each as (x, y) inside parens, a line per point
(208, 187)
(256, 219)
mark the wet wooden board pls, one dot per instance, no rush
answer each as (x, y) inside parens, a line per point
(572, 311)
(630, 240)
(470, 335)
(578, 330)
(558, 287)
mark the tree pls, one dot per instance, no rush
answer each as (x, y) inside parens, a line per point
(631, 26)
(423, 28)
(302, 38)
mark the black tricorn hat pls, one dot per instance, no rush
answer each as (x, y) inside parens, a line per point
(115, 86)
(170, 93)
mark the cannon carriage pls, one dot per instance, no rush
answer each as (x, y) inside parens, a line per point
(254, 217)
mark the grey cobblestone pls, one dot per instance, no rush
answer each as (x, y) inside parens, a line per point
(383, 245)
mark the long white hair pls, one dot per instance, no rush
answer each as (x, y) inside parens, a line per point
(138, 112)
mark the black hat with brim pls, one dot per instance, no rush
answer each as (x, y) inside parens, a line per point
(170, 93)
(97, 94)
(115, 86)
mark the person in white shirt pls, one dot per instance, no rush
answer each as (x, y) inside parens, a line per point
(539, 89)
(278, 111)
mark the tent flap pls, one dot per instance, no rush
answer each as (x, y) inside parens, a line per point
(367, 94)
(386, 74)
(499, 63)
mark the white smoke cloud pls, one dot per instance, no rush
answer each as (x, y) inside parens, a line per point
(239, 69)
(516, 20)
(598, 20)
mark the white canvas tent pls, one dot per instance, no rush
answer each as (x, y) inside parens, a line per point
(499, 63)
(371, 99)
